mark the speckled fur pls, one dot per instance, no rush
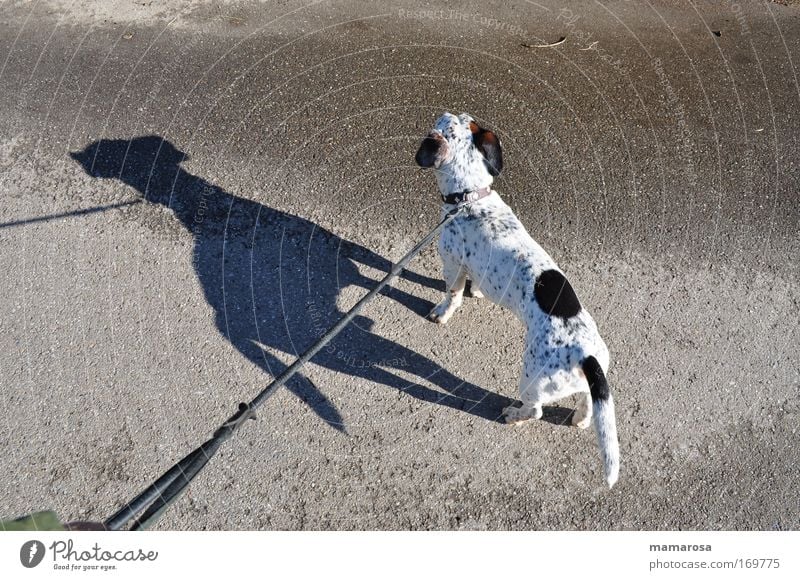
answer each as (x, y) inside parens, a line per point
(490, 246)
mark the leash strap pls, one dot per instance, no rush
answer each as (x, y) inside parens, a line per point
(166, 489)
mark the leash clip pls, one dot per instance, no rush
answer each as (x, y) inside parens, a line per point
(244, 413)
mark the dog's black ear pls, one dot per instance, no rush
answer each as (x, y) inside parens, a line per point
(489, 146)
(432, 151)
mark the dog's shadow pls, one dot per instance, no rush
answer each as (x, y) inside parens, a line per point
(273, 278)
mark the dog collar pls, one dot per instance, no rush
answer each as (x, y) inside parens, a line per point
(466, 196)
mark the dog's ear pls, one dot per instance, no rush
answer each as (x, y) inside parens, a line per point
(489, 146)
(432, 152)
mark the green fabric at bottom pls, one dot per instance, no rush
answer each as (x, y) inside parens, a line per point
(40, 521)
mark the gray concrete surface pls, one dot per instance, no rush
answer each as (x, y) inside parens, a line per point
(656, 160)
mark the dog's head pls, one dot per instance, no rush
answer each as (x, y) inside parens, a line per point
(465, 155)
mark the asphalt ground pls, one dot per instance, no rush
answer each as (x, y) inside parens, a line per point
(269, 148)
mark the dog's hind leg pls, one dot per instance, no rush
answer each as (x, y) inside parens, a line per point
(455, 278)
(532, 393)
(582, 417)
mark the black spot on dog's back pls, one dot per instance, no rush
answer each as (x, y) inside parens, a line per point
(555, 295)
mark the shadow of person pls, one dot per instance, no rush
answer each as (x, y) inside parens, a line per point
(273, 278)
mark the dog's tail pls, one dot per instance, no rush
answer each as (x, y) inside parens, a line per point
(604, 422)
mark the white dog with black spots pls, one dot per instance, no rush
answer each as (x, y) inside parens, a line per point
(564, 353)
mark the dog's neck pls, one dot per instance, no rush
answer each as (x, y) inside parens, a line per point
(465, 171)
(466, 196)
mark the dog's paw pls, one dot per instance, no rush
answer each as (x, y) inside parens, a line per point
(472, 291)
(516, 415)
(476, 293)
(441, 313)
(581, 422)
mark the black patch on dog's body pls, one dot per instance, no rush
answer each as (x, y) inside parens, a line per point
(555, 295)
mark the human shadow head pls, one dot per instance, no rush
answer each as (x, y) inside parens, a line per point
(148, 163)
(152, 166)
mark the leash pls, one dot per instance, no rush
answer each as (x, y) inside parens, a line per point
(73, 213)
(166, 489)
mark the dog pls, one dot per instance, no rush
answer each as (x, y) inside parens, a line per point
(487, 244)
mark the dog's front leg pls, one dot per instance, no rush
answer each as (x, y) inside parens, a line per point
(455, 278)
